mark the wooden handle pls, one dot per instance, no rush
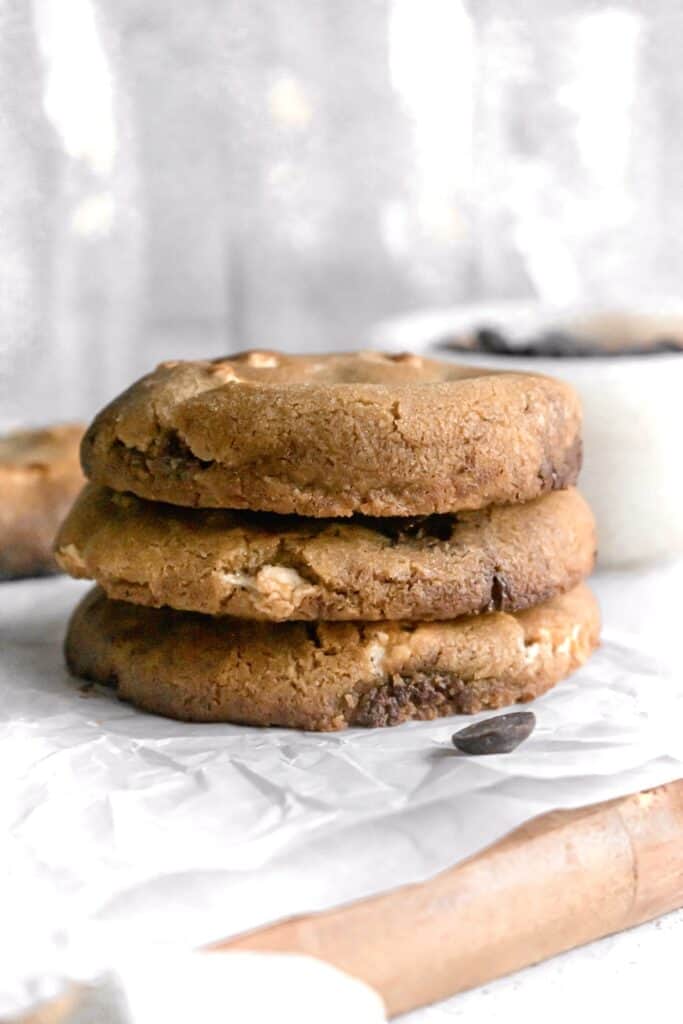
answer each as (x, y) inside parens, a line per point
(559, 881)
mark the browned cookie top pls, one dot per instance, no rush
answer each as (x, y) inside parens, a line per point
(40, 476)
(260, 565)
(335, 435)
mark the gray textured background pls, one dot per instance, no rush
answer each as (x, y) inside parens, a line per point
(190, 178)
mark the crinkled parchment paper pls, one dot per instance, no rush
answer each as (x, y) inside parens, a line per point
(120, 827)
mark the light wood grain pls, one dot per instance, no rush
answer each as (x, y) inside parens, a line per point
(560, 881)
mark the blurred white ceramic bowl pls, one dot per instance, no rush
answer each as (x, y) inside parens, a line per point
(633, 416)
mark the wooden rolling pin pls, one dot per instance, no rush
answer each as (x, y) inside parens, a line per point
(558, 882)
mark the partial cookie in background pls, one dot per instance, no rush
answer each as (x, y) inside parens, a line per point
(265, 566)
(40, 475)
(326, 676)
(334, 435)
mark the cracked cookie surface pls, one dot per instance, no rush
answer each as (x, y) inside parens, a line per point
(272, 567)
(327, 676)
(335, 435)
(40, 476)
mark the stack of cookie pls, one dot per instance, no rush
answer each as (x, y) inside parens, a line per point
(325, 541)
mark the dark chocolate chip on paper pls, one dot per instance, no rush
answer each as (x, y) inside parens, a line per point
(499, 735)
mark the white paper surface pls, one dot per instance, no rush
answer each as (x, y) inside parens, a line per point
(119, 826)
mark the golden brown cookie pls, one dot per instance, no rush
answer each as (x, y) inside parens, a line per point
(40, 475)
(334, 435)
(265, 566)
(326, 676)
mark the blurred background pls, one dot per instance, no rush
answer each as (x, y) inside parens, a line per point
(184, 179)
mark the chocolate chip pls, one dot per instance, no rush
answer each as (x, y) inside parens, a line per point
(402, 698)
(311, 629)
(497, 735)
(499, 593)
(555, 343)
(437, 527)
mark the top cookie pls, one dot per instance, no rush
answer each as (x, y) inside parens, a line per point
(335, 435)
